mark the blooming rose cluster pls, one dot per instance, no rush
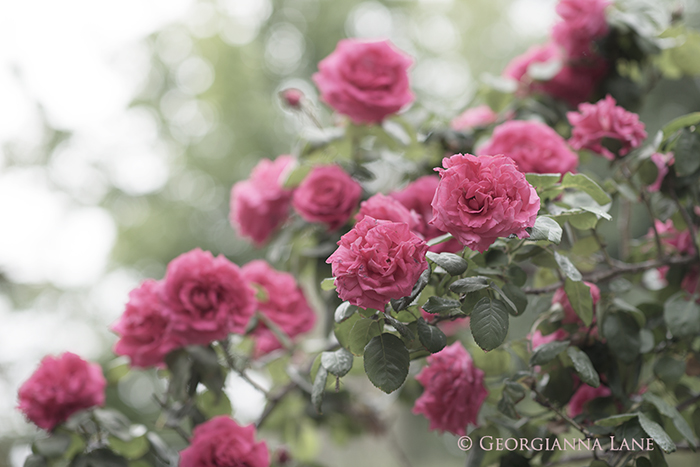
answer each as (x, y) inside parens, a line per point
(376, 261)
(572, 44)
(482, 198)
(453, 390)
(534, 146)
(223, 442)
(604, 119)
(260, 204)
(203, 299)
(60, 387)
(367, 81)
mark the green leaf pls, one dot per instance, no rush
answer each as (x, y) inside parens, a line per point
(567, 267)
(318, 388)
(687, 153)
(517, 297)
(453, 264)
(584, 183)
(386, 362)
(362, 332)
(441, 239)
(622, 333)
(579, 295)
(545, 353)
(542, 181)
(430, 336)
(344, 311)
(507, 407)
(469, 284)
(328, 283)
(654, 430)
(643, 462)
(583, 366)
(489, 323)
(669, 370)
(180, 366)
(53, 446)
(546, 228)
(404, 302)
(682, 316)
(681, 122)
(648, 172)
(211, 405)
(135, 448)
(440, 305)
(671, 412)
(616, 420)
(34, 460)
(342, 330)
(599, 463)
(338, 363)
(515, 391)
(100, 458)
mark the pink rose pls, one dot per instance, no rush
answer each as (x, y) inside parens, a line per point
(583, 21)
(284, 305)
(292, 98)
(480, 116)
(223, 442)
(377, 261)
(538, 339)
(534, 146)
(388, 209)
(680, 241)
(145, 328)
(60, 387)
(573, 83)
(365, 80)
(482, 198)
(260, 205)
(604, 119)
(207, 298)
(662, 162)
(570, 316)
(585, 394)
(417, 196)
(449, 327)
(454, 390)
(327, 195)
(691, 279)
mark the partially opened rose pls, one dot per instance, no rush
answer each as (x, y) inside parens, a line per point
(377, 261)
(60, 387)
(480, 199)
(583, 21)
(207, 298)
(367, 81)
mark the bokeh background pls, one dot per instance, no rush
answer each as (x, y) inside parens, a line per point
(123, 126)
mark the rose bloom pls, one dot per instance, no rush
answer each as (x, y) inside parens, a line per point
(662, 162)
(417, 196)
(260, 205)
(570, 316)
(221, 442)
(284, 305)
(583, 395)
(60, 387)
(574, 83)
(145, 327)
(680, 241)
(538, 339)
(377, 261)
(207, 298)
(605, 119)
(454, 390)
(292, 98)
(366, 81)
(583, 21)
(482, 198)
(327, 195)
(480, 116)
(388, 209)
(534, 146)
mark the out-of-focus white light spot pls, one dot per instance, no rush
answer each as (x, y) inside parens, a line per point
(173, 45)
(112, 292)
(445, 78)
(247, 10)
(532, 18)
(438, 34)
(248, 403)
(16, 108)
(195, 75)
(202, 19)
(284, 48)
(369, 20)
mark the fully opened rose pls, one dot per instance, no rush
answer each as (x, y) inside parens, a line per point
(221, 442)
(60, 387)
(480, 199)
(377, 261)
(453, 390)
(207, 298)
(367, 81)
